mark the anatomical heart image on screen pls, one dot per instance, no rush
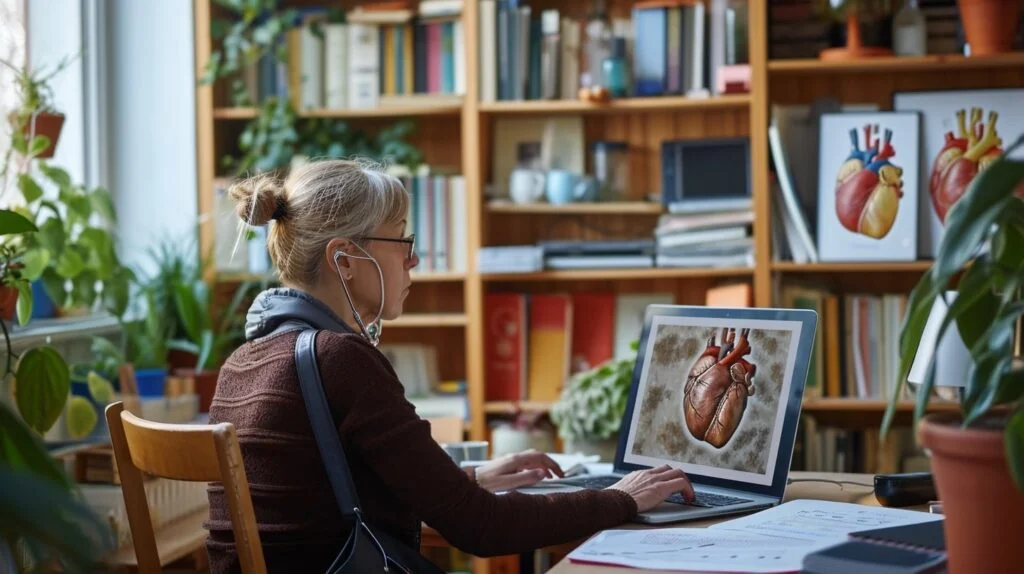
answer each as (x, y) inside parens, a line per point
(868, 186)
(962, 133)
(712, 395)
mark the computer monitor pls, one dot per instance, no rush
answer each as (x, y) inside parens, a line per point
(717, 393)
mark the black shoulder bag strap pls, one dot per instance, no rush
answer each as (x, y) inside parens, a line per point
(365, 550)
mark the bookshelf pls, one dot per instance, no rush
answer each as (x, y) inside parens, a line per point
(448, 308)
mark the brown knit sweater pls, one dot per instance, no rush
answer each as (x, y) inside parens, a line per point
(401, 475)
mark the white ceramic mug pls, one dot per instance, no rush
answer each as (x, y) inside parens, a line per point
(526, 185)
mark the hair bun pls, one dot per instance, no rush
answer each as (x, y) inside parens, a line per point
(259, 199)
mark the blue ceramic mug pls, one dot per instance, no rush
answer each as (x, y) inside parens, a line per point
(565, 187)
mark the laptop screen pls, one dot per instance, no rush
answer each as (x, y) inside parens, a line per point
(713, 394)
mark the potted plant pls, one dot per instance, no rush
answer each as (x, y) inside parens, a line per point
(978, 453)
(147, 339)
(854, 14)
(209, 340)
(989, 25)
(73, 245)
(36, 123)
(589, 411)
(15, 290)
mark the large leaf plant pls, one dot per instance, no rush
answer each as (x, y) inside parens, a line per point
(44, 523)
(983, 245)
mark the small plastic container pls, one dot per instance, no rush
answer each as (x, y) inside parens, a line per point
(150, 382)
(611, 169)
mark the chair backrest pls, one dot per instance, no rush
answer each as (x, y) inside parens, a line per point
(197, 453)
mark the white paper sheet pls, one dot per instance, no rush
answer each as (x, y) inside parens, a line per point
(820, 521)
(691, 549)
(773, 540)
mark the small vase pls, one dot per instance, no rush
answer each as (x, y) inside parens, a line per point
(984, 510)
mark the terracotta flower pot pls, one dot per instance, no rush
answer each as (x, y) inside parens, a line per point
(205, 385)
(179, 360)
(983, 508)
(49, 125)
(8, 302)
(989, 25)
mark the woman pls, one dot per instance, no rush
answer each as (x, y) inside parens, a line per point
(338, 241)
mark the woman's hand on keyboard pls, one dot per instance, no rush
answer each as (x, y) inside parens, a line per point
(517, 470)
(651, 487)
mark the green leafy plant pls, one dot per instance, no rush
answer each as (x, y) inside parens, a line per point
(252, 29)
(983, 244)
(269, 141)
(43, 519)
(593, 402)
(147, 338)
(210, 340)
(73, 245)
(13, 226)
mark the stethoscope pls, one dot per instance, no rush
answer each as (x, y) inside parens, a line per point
(372, 331)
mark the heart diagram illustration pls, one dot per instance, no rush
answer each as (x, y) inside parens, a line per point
(717, 387)
(962, 157)
(868, 185)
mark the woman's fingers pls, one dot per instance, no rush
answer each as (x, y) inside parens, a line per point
(534, 459)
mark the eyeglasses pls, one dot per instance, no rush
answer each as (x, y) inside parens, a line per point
(410, 240)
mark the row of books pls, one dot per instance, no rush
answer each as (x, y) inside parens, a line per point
(820, 448)
(534, 342)
(438, 217)
(673, 47)
(856, 347)
(377, 57)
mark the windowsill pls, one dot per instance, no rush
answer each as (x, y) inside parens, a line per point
(63, 328)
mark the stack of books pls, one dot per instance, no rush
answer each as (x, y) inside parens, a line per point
(717, 239)
(384, 54)
(614, 254)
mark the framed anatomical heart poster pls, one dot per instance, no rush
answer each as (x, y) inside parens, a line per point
(867, 186)
(962, 131)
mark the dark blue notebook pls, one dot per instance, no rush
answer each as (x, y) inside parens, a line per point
(859, 557)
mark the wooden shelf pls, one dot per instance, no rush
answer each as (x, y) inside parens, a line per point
(425, 277)
(581, 208)
(872, 405)
(931, 63)
(880, 267)
(437, 277)
(658, 104)
(385, 112)
(429, 320)
(866, 413)
(620, 274)
(510, 407)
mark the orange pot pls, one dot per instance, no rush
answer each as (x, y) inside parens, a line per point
(989, 25)
(48, 125)
(984, 510)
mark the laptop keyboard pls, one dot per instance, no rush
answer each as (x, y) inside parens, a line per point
(703, 499)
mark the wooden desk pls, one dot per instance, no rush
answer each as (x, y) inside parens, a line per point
(797, 490)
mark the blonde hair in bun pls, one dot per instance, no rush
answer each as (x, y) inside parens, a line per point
(319, 201)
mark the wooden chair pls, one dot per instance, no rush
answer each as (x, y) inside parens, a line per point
(198, 453)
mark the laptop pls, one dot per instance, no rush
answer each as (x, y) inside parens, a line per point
(716, 392)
